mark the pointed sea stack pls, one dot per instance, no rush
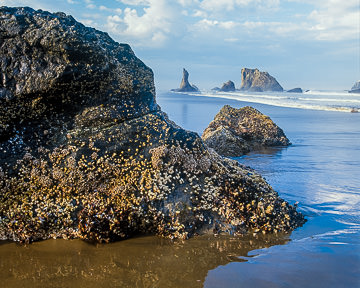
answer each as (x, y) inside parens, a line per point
(86, 152)
(185, 86)
(256, 81)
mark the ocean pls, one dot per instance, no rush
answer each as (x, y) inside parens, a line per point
(320, 171)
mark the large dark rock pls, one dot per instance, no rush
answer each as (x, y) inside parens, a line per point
(228, 86)
(257, 81)
(355, 88)
(185, 86)
(85, 151)
(234, 132)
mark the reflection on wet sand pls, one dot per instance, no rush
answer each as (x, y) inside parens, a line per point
(140, 262)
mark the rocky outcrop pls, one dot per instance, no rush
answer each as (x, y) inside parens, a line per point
(185, 86)
(234, 132)
(295, 90)
(257, 81)
(229, 86)
(85, 151)
(355, 88)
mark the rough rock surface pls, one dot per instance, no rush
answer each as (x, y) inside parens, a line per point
(86, 153)
(229, 86)
(257, 81)
(185, 86)
(295, 90)
(355, 88)
(234, 132)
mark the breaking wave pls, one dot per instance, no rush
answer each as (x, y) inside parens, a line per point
(314, 100)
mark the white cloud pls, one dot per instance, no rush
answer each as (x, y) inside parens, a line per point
(151, 24)
(106, 9)
(336, 20)
(213, 5)
(187, 3)
(230, 5)
(115, 19)
(330, 20)
(134, 2)
(200, 13)
(88, 22)
(206, 24)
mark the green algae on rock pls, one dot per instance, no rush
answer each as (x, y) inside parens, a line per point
(85, 151)
(235, 132)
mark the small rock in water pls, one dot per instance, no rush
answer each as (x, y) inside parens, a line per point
(235, 132)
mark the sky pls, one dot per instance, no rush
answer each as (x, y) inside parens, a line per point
(312, 44)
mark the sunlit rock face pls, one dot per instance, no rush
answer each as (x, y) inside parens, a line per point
(235, 132)
(85, 151)
(258, 81)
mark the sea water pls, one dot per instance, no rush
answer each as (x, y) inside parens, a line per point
(320, 171)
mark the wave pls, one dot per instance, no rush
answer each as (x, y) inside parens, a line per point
(334, 93)
(342, 103)
(330, 100)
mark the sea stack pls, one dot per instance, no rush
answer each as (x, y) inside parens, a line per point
(185, 86)
(85, 151)
(355, 88)
(234, 132)
(256, 81)
(229, 86)
(295, 90)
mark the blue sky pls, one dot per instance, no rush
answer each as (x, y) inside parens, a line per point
(313, 44)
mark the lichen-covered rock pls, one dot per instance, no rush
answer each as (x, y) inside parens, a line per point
(86, 153)
(257, 81)
(234, 132)
(185, 86)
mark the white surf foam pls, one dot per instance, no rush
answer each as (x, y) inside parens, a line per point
(314, 100)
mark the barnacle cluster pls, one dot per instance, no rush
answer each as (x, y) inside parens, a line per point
(140, 176)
